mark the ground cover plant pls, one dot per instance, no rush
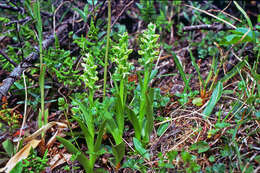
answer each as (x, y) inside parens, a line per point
(129, 86)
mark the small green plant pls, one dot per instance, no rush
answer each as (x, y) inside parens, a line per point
(35, 163)
(190, 162)
(61, 64)
(116, 126)
(31, 164)
(144, 122)
(88, 112)
(148, 11)
(10, 116)
(89, 109)
(36, 15)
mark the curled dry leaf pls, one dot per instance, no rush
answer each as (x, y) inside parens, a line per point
(59, 159)
(44, 129)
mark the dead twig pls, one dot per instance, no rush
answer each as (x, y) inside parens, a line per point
(213, 27)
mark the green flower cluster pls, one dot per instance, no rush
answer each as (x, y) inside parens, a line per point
(89, 77)
(120, 56)
(148, 46)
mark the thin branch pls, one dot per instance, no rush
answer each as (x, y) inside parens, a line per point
(128, 5)
(7, 58)
(203, 11)
(8, 7)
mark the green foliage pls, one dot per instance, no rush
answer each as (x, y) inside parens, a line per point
(162, 128)
(214, 99)
(190, 163)
(201, 146)
(91, 44)
(93, 144)
(182, 73)
(8, 147)
(60, 63)
(35, 163)
(139, 148)
(148, 11)
(149, 46)
(135, 104)
(238, 34)
(10, 117)
(31, 164)
(20, 35)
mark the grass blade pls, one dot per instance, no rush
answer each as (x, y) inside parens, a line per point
(214, 99)
(119, 151)
(140, 149)
(233, 71)
(133, 119)
(183, 75)
(100, 135)
(149, 115)
(88, 137)
(196, 68)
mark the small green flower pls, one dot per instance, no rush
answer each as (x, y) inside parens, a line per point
(120, 56)
(149, 46)
(89, 76)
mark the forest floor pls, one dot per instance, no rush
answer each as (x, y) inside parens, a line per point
(205, 108)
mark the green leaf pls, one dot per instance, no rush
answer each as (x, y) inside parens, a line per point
(186, 157)
(220, 168)
(257, 159)
(86, 9)
(139, 148)
(222, 125)
(172, 155)
(233, 71)
(197, 101)
(257, 114)
(81, 13)
(153, 74)
(28, 7)
(162, 128)
(196, 68)
(18, 168)
(8, 147)
(201, 146)
(133, 119)
(214, 99)
(247, 19)
(100, 136)
(212, 159)
(180, 68)
(88, 137)
(83, 160)
(88, 118)
(118, 151)
(228, 92)
(113, 129)
(149, 115)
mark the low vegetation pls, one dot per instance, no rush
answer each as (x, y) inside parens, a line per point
(126, 86)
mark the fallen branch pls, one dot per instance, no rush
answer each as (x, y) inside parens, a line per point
(213, 27)
(8, 7)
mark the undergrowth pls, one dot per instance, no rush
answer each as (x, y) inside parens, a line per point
(109, 90)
